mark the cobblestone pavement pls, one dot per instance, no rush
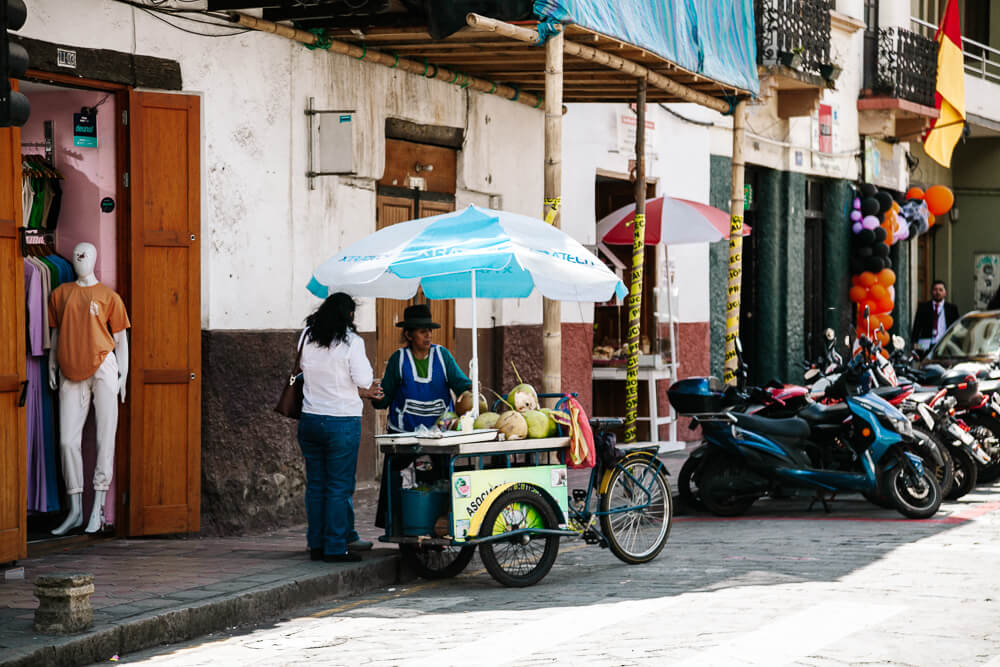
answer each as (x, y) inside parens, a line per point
(860, 586)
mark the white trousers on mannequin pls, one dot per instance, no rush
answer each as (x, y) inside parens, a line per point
(74, 405)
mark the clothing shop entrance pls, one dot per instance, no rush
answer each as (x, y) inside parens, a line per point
(103, 164)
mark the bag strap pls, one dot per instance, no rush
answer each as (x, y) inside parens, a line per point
(298, 357)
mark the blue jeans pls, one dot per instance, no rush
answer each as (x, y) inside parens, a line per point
(330, 447)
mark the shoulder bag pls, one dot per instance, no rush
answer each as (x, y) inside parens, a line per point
(290, 401)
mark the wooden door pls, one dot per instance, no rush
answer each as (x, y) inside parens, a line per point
(165, 302)
(13, 440)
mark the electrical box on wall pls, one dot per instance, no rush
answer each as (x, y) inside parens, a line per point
(331, 142)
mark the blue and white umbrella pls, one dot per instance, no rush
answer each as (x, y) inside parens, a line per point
(477, 253)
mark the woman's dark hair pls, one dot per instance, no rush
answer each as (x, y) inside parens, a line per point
(332, 320)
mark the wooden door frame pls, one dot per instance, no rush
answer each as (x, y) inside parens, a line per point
(123, 261)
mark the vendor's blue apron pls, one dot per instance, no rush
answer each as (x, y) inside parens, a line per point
(419, 401)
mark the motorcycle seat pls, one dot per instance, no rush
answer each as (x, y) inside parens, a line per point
(889, 393)
(818, 413)
(791, 428)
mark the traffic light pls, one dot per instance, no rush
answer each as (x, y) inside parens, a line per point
(14, 107)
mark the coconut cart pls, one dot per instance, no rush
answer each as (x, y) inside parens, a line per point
(482, 253)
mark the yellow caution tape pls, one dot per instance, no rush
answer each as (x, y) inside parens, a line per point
(733, 296)
(634, 325)
(554, 203)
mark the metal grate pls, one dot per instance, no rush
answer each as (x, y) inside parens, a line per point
(794, 27)
(907, 66)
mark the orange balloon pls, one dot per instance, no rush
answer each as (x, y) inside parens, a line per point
(858, 293)
(886, 320)
(883, 337)
(878, 292)
(867, 279)
(870, 303)
(914, 193)
(931, 220)
(883, 305)
(856, 280)
(939, 199)
(886, 277)
(889, 228)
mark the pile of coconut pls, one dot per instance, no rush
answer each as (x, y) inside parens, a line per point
(521, 418)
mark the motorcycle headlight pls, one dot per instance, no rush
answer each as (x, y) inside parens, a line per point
(901, 425)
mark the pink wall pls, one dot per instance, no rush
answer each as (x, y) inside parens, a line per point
(89, 173)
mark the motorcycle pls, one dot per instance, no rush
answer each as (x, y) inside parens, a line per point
(747, 457)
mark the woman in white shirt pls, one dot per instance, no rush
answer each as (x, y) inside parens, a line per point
(336, 376)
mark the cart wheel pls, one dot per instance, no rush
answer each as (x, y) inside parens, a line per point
(521, 560)
(432, 561)
(638, 535)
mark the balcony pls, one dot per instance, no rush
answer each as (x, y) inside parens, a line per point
(900, 102)
(793, 53)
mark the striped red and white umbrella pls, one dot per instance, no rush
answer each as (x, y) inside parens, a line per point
(669, 220)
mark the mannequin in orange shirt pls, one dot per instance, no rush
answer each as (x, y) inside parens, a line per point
(88, 363)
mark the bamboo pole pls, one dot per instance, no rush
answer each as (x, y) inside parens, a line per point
(477, 22)
(551, 310)
(392, 61)
(635, 289)
(735, 244)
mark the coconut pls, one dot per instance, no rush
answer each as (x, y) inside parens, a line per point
(513, 425)
(464, 403)
(523, 397)
(446, 420)
(538, 423)
(486, 420)
(553, 426)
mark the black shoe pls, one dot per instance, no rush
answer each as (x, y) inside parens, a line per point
(341, 558)
(315, 554)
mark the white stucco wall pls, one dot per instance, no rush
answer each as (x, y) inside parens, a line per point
(263, 230)
(680, 165)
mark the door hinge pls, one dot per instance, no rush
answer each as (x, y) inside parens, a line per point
(124, 116)
(125, 179)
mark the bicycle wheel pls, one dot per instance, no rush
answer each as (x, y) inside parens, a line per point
(637, 535)
(522, 559)
(435, 561)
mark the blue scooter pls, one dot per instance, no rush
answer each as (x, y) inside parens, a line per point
(749, 457)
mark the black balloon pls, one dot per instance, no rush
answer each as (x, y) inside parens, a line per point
(865, 237)
(868, 190)
(881, 250)
(864, 251)
(884, 201)
(879, 234)
(857, 265)
(869, 206)
(887, 262)
(875, 264)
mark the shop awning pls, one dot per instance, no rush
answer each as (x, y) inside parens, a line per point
(669, 220)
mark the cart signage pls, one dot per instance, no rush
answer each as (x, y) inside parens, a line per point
(472, 492)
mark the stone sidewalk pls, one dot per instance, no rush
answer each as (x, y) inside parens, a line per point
(152, 591)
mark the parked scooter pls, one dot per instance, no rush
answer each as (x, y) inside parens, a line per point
(936, 415)
(749, 457)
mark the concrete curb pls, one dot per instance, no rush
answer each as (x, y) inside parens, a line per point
(190, 620)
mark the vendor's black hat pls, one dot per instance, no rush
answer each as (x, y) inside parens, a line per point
(418, 316)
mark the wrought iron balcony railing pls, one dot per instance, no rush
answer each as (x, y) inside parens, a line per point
(906, 66)
(981, 61)
(795, 33)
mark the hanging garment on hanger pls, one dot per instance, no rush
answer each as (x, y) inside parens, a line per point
(37, 477)
(52, 217)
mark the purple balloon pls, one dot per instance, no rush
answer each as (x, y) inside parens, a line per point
(870, 222)
(857, 227)
(857, 204)
(856, 216)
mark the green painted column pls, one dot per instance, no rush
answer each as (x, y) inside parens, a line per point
(721, 177)
(837, 307)
(902, 313)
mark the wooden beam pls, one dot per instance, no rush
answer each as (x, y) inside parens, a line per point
(551, 309)
(635, 287)
(432, 71)
(629, 67)
(735, 244)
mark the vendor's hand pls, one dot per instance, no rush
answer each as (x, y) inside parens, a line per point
(374, 392)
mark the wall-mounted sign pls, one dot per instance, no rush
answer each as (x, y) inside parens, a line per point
(66, 58)
(107, 204)
(85, 128)
(627, 123)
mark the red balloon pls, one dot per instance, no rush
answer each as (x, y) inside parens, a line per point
(914, 193)
(939, 199)
(858, 294)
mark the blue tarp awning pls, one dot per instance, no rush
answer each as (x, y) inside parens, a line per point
(713, 38)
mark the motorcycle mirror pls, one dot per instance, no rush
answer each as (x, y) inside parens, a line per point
(898, 342)
(829, 334)
(810, 374)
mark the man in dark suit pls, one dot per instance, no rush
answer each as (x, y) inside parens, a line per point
(933, 318)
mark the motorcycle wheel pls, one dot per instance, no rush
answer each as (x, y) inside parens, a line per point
(966, 473)
(915, 497)
(718, 477)
(936, 458)
(687, 483)
(989, 472)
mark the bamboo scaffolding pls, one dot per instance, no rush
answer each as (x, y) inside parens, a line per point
(635, 288)
(552, 310)
(735, 244)
(393, 61)
(478, 22)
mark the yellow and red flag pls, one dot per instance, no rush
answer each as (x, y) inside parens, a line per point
(949, 98)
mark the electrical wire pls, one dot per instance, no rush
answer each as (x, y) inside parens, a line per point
(702, 123)
(157, 11)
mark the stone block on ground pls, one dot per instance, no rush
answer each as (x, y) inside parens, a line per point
(64, 603)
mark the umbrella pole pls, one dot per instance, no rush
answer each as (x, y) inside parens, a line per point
(474, 362)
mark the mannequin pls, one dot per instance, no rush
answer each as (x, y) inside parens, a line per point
(88, 363)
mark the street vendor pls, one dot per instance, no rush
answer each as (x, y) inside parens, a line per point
(420, 378)
(418, 384)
